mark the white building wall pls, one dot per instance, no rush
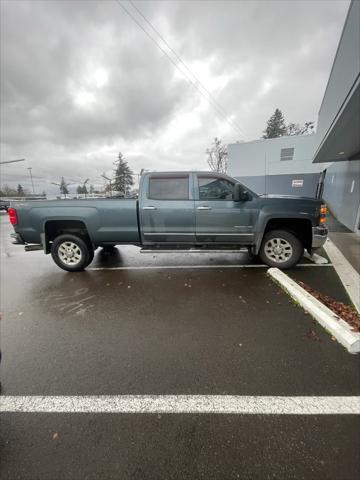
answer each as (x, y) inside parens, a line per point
(258, 165)
(342, 192)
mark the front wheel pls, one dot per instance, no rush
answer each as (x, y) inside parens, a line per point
(71, 253)
(281, 249)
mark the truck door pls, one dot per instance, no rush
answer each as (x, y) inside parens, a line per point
(217, 217)
(167, 209)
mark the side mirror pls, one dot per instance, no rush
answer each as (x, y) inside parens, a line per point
(240, 194)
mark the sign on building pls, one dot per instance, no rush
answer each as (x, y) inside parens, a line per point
(297, 183)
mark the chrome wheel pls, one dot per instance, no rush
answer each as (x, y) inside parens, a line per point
(278, 250)
(69, 253)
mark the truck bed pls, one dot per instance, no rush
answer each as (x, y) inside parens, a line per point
(107, 220)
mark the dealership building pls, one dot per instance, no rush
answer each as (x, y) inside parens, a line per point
(327, 162)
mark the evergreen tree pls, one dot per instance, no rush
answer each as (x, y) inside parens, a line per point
(275, 125)
(92, 189)
(20, 190)
(63, 187)
(123, 176)
(81, 189)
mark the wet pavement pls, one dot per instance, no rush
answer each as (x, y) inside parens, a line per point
(349, 246)
(168, 324)
(346, 241)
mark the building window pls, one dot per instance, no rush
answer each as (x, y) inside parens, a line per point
(287, 153)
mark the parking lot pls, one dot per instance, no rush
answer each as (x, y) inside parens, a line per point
(169, 325)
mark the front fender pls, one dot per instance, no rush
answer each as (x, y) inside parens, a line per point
(265, 217)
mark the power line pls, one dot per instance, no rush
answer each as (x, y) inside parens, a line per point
(234, 124)
(12, 161)
(219, 112)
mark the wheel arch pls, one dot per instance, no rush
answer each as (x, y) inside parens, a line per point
(54, 228)
(300, 227)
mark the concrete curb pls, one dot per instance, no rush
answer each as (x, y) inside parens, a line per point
(331, 322)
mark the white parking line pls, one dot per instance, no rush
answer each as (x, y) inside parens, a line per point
(159, 267)
(216, 404)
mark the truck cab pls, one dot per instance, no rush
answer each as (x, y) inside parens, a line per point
(196, 208)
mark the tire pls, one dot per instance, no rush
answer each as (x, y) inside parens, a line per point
(281, 249)
(71, 253)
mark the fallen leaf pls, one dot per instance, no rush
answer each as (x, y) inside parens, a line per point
(55, 436)
(312, 335)
(346, 312)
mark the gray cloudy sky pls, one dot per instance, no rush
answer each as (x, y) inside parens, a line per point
(81, 81)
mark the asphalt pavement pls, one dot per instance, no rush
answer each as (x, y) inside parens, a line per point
(169, 324)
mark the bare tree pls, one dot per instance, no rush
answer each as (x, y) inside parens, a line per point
(296, 129)
(217, 156)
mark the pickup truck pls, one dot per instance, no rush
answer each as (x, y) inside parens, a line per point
(175, 210)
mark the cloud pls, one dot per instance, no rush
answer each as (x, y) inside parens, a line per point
(81, 81)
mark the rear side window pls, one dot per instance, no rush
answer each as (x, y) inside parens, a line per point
(169, 188)
(213, 188)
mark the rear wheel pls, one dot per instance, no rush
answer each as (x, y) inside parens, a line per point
(71, 252)
(281, 249)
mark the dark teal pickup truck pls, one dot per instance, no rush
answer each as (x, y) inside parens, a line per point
(175, 210)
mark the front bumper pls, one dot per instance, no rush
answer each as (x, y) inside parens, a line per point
(319, 236)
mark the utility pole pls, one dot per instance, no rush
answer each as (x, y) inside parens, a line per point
(32, 182)
(109, 180)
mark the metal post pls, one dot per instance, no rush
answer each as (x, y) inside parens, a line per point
(32, 182)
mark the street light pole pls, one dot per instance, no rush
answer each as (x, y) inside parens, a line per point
(32, 182)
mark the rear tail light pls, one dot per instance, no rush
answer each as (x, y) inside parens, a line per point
(12, 216)
(323, 212)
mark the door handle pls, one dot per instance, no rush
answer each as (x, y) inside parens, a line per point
(150, 207)
(204, 207)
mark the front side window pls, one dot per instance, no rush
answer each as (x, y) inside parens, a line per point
(215, 188)
(169, 188)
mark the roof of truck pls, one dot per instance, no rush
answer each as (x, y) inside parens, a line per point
(183, 172)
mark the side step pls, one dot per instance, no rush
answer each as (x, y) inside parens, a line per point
(31, 248)
(192, 250)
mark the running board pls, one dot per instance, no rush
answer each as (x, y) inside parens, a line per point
(31, 248)
(193, 250)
